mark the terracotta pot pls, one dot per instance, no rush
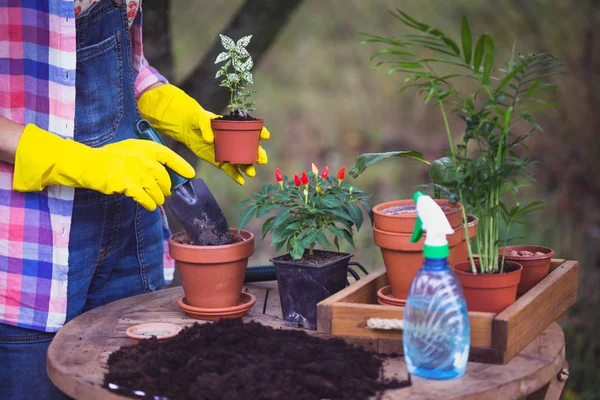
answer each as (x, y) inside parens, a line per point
(535, 268)
(212, 276)
(405, 223)
(236, 141)
(488, 292)
(403, 259)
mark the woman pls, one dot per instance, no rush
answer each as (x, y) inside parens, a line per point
(80, 197)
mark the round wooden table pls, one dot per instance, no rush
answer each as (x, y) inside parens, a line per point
(77, 356)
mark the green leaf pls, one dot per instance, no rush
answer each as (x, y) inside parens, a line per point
(366, 160)
(267, 226)
(310, 239)
(283, 196)
(348, 237)
(442, 172)
(392, 51)
(246, 216)
(281, 217)
(266, 208)
(283, 232)
(356, 214)
(479, 50)
(298, 251)
(489, 59)
(341, 214)
(467, 42)
(452, 45)
(330, 201)
(322, 240)
(335, 230)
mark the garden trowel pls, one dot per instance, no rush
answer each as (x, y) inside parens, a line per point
(191, 201)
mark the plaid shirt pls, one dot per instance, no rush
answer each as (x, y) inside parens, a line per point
(37, 85)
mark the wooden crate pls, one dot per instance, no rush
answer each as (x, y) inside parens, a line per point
(495, 338)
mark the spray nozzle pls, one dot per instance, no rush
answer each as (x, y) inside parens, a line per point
(431, 219)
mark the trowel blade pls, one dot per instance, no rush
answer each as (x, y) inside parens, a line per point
(197, 210)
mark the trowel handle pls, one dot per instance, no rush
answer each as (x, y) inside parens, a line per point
(144, 130)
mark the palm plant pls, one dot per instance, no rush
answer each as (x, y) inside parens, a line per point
(490, 161)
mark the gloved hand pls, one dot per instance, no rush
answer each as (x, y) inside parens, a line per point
(171, 111)
(132, 167)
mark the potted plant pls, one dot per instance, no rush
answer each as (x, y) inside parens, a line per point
(490, 160)
(212, 276)
(394, 222)
(311, 207)
(236, 134)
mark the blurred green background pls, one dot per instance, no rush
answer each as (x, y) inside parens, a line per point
(323, 103)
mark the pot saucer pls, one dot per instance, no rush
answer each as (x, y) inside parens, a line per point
(246, 302)
(385, 297)
(162, 331)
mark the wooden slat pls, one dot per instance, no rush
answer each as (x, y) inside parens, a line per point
(521, 322)
(555, 263)
(362, 291)
(350, 319)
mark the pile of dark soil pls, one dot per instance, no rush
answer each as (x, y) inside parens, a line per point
(230, 359)
(237, 117)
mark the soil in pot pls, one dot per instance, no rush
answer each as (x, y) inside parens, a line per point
(231, 360)
(236, 117)
(489, 292)
(306, 282)
(535, 261)
(399, 216)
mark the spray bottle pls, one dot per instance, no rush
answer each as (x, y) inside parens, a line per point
(436, 324)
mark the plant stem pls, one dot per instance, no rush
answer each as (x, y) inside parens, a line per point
(460, 195)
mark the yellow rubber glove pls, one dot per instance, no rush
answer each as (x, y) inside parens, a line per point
(132, 167)
(171, 111)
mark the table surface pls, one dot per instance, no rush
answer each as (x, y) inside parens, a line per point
(77, 356)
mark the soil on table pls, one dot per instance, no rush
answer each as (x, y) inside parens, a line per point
(237, 117)
(409, 209)
(231, 360)
(524, 253)
(317, 258)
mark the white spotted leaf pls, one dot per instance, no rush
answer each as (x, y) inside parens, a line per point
(247, 65)
(222, 57)
(248, 77)
(242, 51)
(227, 42)
(243, 42)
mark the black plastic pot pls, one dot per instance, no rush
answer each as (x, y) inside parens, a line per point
(302, 286)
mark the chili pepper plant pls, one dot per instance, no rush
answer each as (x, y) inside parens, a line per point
(314, 209)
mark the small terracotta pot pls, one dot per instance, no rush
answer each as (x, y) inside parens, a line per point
(403, 259)
(405, 223)
(488, 292)
(535, 268)
(236, 141)
(212, 276)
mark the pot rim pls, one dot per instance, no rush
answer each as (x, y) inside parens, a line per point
(461, 263)
(173, 243)
(381, 206)
(345, 256)
(230, 122)
(548, 252)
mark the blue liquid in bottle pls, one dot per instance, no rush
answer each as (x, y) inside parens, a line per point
(436, 324)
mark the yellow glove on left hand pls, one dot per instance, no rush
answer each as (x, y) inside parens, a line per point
(171, 111)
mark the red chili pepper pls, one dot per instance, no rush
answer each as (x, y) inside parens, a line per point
(297, 180)
(325, 172)
(304, 178)
(342, 173)
(278, 175)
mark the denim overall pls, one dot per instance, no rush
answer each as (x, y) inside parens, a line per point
(115, 246)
